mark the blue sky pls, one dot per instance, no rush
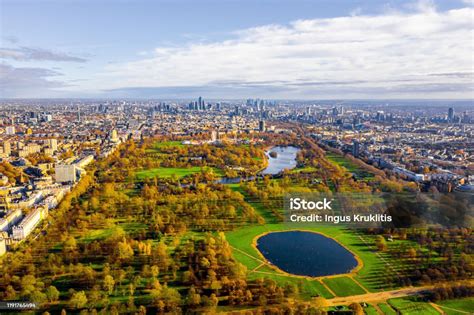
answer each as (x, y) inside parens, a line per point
(299, 49)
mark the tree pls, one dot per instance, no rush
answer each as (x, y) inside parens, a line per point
(131, 289)
(78, 300)
(213, 300)
(142, 310)
(319, 302)
(69, 244)
(94, 295)
(357, 309)
(28, 283)
(155, 270)
(52, 294)
(193, 299)
(381, 243)
(411, 253)
(109, 284)
(10, 293)
(38, 297)
(124, 251)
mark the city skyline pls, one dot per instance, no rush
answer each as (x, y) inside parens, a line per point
(270, 49)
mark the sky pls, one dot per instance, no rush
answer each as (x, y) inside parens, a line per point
(274, 49)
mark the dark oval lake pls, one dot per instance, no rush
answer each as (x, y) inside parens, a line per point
(306, 253)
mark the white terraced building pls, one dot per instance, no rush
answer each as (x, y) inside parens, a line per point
(28, 224)
(10, 219)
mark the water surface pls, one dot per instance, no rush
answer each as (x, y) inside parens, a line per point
(306, 253)
(285, 159)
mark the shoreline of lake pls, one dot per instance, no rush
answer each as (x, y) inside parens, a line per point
(353, 271)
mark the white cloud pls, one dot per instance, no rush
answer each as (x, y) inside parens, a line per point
(394, 53)
(423, 6)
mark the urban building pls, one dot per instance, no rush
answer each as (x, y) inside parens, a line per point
(65, 173)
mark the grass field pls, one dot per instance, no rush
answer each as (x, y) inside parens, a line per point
(99, 234)
(370, 310)
(387, 309)
(376, 265)
(351, 167)
(165, 144)
(408, 306)
(306, 169)
(369, 276)
(168, 172)
(343, 286)
(458, 307)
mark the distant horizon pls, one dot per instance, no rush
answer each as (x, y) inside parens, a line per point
(213, 99)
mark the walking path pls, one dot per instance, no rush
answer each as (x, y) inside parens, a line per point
(377, 296)
(382, 296)
(436, 307)
(440, 307)
(248, 255)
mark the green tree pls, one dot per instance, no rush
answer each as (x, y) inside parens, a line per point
(38, 297)
(109, 284)
(28, 283)
(52, 294)
(78, 300)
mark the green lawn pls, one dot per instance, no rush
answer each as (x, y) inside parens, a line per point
(369, 276)
(350, 166)
(462, 305)
(256, 204)
(157, 146)
(131, 227)
(343, 286)
(241, 240)
(165, 144)
(167, 172)
(387, 309)
(306, 169)
(408, 306)
(370, 310)
(98, 234)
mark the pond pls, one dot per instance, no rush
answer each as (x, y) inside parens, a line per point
(285, 159)
(306, 253)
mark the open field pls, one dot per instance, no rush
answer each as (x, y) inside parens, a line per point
(408, 306)
(343, 286)
(306, 169)
(166, 144)
(241, 240)
(370, 310)
(168, 172)
(457, 307)
(374, 265)
(351, 167)
(386, 309)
